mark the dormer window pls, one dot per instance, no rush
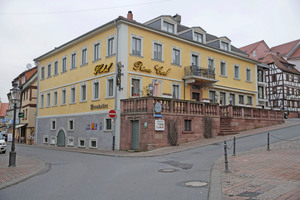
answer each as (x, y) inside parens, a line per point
(168, 27)
(198, 37)
(254, 53)
(224, 46)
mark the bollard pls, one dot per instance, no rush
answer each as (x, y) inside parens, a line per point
(113, 144)
(233, 146)
(225, 157)
(268, 144)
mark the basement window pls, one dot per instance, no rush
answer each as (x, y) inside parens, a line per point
(93, 143)
(46, 139)
(187, 125)
(81, 142)
(70, 141)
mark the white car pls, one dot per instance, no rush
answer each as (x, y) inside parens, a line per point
(2, 144)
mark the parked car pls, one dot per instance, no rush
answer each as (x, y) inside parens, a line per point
(2, 144)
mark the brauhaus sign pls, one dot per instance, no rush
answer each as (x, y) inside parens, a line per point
(99, 106)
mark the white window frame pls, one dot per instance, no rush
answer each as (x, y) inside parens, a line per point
(162, 50)
(168, 22)
(63, 98)
(64, 68)
(213, 99)
(71, 94)
(55, 68)
(51, 127)
(55, 98)
(250, 75)
(71, 60)
(99, 51)
(113, 46)
(241, 95)
(71, 144)
(214, 63)
(42, 99)
(140, 86)
(225, 98)
(131, 44)
(84, 61)
(198, 59)
(251, 103)
(107, 87)
(224, 75)
(69, 128)
(105, 125)
(239, 72)
(90, 143)
(173, 55)
(195, 38)
(52, 140)
(93, 89)
(43, 73)
(223, 47)
(79, 139)
(179, 89)
(81, 92)
(48, 99)
(44, 139)
(49, 69)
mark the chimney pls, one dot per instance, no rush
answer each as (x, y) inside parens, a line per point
(177, 18)
(129, 15)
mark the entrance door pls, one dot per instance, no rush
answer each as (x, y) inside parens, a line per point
(135, 135)
(61, 138)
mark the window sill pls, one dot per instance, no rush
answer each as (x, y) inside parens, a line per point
(158, 60)
(71, 130)
(108, 56)
(82, 65)
(83, 101)
(177, 65)
(95, 99)
(72, 103)
(63, 104)
(63, 72)
(248, 81)
(73, 68)
(107, 130)
(110, 97)
(225, 76)
(55, 75)
(238, 79)
(187, 132)
(140, 56)
(96, 60)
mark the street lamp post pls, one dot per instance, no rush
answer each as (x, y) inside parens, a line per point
(15, 98)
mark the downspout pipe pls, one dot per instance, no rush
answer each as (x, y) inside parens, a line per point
(37, 102)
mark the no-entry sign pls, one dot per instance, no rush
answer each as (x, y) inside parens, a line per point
(112, 113)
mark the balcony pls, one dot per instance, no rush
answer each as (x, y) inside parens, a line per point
(194, 74)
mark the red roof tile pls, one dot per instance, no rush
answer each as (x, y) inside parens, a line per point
(280, 63)
(296, 54)
(3, 109)
(284, 49)
(249, 48)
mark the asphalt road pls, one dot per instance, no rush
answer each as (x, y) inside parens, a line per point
(74, 175)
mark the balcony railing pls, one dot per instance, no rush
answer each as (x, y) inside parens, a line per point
(195, 71)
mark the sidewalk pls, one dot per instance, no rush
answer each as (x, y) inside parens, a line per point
(25, 168)
(262, 174)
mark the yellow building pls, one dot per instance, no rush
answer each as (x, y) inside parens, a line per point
(80, 81)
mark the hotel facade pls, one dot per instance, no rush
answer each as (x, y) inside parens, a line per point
(80, 81)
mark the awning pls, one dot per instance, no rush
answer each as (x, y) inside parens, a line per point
(20, 125)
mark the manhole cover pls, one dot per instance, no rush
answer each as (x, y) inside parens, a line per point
(169, 170)
(195, 184)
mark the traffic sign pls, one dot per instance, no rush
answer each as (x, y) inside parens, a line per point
(21, 115)
(112, 113)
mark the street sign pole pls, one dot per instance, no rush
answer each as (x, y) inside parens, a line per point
(112, 114)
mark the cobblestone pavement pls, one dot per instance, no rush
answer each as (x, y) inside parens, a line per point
(25, 168)
(262, 174)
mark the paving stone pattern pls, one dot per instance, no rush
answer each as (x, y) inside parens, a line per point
(261, 174)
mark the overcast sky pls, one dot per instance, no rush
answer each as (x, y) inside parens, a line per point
(30, 28)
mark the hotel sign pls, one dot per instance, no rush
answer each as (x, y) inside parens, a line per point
(159, 69)
(99, 69)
